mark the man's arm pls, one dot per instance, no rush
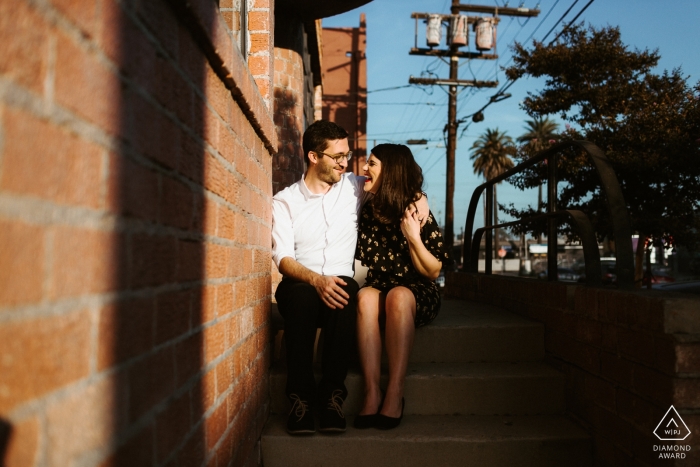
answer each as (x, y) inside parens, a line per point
(327, 287)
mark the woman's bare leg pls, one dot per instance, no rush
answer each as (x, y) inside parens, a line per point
(369, 341)
(400, 309)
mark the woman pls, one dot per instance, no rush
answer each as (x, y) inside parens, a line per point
(404, 261)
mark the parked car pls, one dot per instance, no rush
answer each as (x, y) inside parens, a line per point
(563, 274)
(608, 271)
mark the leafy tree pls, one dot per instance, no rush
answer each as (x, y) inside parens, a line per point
(648, 125)
(491, 155)
(541, 133)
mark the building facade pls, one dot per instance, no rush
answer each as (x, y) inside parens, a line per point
(141, 143)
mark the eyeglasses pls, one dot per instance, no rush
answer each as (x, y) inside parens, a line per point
(337, 157)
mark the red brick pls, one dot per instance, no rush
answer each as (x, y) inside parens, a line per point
(150, 381)
(176, 204)
(652, 384)
(153, 260)
(189, 260)
(209, 216)
(23, 445)
(24, 35)
(74, 176)
(224, 375)
(687, 357)
(609, 337)
(188, 358)
(162, 23)
(216, 260)
(153, 133)
(82, 14)
(100, 412)
(259, 65)
(172, 425)
(192, 158)
(259, 42)
(638, 345)
(193, 452)
(206, 391)
(616, 369)
(686, 393)
(82, 262)
(132, 189)
(214, 341)
(612, 427)
(22, 259)
(226, 224)
(172, 315)
(204, 305)
(224, 299)
(215, 425)
(125, 330)
(34, 361)
(137, 451)
(85, 86)
(637, 410)
(259, 21)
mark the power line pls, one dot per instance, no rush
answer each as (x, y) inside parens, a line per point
(499, 95)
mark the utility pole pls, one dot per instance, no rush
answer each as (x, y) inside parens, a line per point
(453, 83)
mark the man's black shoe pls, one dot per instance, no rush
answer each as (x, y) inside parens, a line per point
(332, 418)
(301, 418)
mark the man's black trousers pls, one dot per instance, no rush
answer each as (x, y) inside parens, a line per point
(304, 312)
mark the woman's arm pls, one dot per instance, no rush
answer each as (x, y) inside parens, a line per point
(423, 260)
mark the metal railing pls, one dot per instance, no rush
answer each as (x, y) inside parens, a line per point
(615, 202)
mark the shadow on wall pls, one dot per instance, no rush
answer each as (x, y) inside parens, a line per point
(288, 165)
(156, 322)
(5, 434)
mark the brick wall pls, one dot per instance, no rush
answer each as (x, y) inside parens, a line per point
(627, 356)
(135, 191)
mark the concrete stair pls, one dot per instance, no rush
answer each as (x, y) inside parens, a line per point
(477, 393)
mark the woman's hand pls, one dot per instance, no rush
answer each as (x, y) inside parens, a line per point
(410, 224)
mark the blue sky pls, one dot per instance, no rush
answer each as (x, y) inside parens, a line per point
(421, 112)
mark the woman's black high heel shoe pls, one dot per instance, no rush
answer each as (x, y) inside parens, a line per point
(362, 422)
(387, 423)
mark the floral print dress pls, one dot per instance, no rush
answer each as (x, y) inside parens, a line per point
(384, 250)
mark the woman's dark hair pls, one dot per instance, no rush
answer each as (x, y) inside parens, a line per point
(401, 182)
(318, 134)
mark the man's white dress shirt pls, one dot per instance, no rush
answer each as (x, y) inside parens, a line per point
(318, 230)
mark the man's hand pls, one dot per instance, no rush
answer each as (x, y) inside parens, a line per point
(422, 209)
(410, 225)
(330, 292)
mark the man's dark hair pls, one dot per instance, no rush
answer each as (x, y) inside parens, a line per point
(401, 182)
(318, 134)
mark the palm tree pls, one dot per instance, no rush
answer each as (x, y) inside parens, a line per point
(491, 155)
(540, 134)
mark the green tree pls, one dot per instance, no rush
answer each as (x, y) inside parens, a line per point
(491, 153)
(540, 133)
(648, 124)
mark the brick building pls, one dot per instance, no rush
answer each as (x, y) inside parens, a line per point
(345, 85)
(141, 143)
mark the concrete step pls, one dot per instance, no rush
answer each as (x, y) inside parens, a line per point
(436, 441)
(466, 332)
(458, 388)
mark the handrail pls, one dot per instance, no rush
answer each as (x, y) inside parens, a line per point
(579, 220)
(617, 209)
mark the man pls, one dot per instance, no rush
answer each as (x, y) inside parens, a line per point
(314, 233)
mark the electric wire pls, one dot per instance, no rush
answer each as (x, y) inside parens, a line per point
(510, 82)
